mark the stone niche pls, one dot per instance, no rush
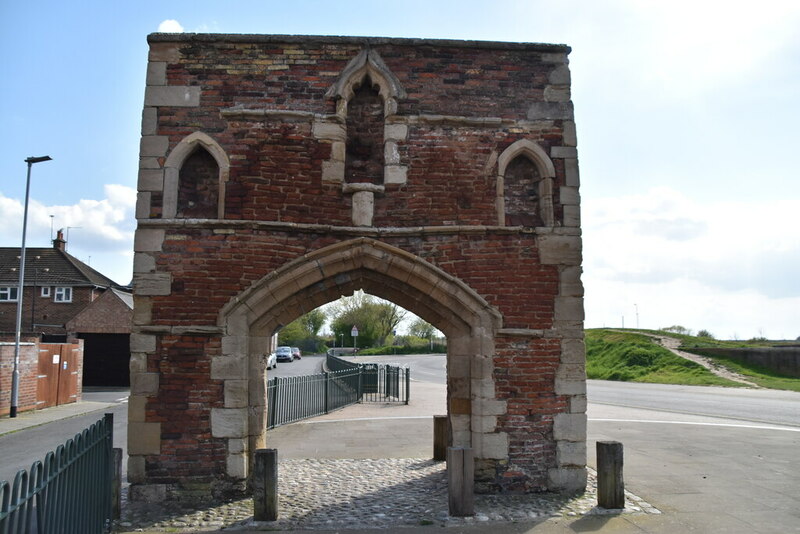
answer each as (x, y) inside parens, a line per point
(278, 173)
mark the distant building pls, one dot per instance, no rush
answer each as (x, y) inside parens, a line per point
(64, 299)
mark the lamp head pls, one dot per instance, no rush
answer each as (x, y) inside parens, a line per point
(39, 159)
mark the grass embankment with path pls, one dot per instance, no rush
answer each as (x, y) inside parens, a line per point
(636, 356)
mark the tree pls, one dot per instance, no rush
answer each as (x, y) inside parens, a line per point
(313, 321)
(375, 319)
(303, 331)
(678, 329)
(421, 328)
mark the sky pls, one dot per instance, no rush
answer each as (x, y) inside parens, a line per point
(687, 115)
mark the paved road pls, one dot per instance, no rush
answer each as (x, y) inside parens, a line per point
(307, 365)
(20, 449)
(430, 368)
(753, 405)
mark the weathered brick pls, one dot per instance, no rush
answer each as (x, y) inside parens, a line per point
(225, 236)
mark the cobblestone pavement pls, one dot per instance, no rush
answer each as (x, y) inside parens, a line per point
(349, 494)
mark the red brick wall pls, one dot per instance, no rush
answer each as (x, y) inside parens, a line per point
(276, 176)
(28, 371)
(106, 315)
(276, 168)
(46, 310)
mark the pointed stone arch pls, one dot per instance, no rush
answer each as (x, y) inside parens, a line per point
(249, 320)
(537, 155)
(367, 64)
(172, 167)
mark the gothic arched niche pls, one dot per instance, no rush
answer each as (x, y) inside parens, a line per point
(521, 193)
(198, 186)
(364, 149)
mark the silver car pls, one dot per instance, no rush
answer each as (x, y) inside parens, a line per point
(272, 361)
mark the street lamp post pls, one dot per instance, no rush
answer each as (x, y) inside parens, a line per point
(15, 375)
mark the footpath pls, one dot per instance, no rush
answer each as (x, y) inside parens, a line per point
(371, 473)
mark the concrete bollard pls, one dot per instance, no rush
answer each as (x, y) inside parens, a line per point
(610, 485)
(265, 485)
(460, 481)
(440, 438)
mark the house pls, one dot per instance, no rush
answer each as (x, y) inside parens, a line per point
(63, 300)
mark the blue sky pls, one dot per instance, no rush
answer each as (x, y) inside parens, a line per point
(687, 116)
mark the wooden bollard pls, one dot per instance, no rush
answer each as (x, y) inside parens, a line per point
(610, 486)
(440, 438)
(460, 481)
(265, 485)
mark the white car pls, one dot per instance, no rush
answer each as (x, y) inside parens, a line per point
(272, 361)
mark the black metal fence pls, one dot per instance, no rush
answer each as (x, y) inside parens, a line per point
(70, 492)
(294, 398)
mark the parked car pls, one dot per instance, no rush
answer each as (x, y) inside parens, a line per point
(284, 354)
(296, 353)
(272, 360)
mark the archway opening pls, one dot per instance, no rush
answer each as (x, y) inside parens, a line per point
(316, 279)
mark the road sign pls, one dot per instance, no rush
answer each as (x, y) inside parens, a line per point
(354, 331)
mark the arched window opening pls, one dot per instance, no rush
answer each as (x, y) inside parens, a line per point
(364, 150)
(198, 186)
(521, 193)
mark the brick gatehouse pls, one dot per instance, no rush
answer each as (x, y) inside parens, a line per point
(278, 173)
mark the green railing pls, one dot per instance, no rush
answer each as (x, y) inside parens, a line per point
(294, 398)
(70, 492)
(379, 382)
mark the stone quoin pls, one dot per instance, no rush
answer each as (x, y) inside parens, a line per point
(278, 173)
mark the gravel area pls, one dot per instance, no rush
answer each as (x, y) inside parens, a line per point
(350, 494)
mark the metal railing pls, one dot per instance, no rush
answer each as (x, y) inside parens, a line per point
(70, 492)
(294, 398)
(379, 382)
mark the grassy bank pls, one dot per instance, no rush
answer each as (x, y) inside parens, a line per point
(635, 357)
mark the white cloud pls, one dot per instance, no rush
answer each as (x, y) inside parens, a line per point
(100, 232)
(170, 26)
(644, 55)
(730, 265)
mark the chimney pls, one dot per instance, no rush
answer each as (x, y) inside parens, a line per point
(58, 242)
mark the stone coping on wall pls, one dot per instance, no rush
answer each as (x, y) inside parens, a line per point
(337, 39)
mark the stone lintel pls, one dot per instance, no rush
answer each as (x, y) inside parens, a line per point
(229, 422)
(395, 174)
(563, 152)
(569, 427)
(144, 384)
(144, 438)
(567, 479)
(154, 146)
(148, 240)
(143, 343)
(560, 250)
(152, 284)
(156, 73)
(172, 96)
